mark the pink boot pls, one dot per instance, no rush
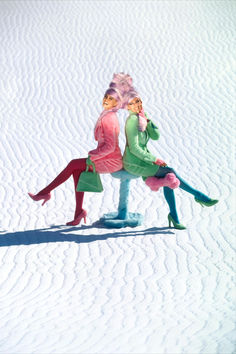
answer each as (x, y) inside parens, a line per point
(36, 197)
(170, 180)
(76, 221)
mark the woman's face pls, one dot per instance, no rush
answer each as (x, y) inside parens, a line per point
(135, 105)
(109, 102)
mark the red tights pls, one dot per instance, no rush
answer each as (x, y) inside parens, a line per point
(75, 167)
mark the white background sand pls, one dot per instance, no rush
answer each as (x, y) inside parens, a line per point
(91, 290)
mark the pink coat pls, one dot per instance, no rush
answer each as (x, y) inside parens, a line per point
(107, 156)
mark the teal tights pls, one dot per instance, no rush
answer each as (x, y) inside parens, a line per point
(169, 193)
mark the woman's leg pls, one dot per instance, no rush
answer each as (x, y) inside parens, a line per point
(77, 165)
(79, 196)
(170, 198)
(162, 171)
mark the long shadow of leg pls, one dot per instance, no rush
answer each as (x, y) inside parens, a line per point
(52, 234)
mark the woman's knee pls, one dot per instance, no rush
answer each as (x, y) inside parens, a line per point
(76, 164)
(163, 171)
(171, 170)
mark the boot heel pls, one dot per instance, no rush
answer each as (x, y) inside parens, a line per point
(169, 219)
(175, 224)
(44, 197)
(211, 202)
(77, 220)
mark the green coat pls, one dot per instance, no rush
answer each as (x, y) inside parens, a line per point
(137, 159)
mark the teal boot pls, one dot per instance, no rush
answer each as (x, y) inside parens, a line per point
(175, 224)
(209, 203)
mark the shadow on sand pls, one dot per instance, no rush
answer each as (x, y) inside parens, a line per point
(62, 233)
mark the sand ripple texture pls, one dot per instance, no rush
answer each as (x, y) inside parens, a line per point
(93, 290)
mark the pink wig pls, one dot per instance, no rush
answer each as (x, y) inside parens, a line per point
(122, 81)
(129, 96)
(118, 88)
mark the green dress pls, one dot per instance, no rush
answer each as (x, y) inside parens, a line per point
(137, 159)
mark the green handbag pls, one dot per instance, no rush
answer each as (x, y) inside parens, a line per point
(89, 181)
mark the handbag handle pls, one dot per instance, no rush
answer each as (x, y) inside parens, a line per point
(90, 163)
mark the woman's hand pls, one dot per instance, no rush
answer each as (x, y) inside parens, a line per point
(160, 162)
(89, 161)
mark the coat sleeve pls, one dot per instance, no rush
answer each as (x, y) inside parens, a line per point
(152, 129)
(110, 132)
(131, 130)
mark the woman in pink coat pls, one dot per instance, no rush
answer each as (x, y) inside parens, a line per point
(107, 156)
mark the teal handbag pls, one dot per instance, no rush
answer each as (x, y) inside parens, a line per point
(89, 181)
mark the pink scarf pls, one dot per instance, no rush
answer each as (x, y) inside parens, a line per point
(142, 121)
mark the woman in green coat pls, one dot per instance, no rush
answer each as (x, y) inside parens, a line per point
(139, 161)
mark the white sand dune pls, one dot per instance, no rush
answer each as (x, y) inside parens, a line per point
(87, 289)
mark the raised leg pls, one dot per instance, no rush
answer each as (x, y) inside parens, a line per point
(162, 172)
(74, 165)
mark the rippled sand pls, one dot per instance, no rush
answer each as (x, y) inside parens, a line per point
(88, 289)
